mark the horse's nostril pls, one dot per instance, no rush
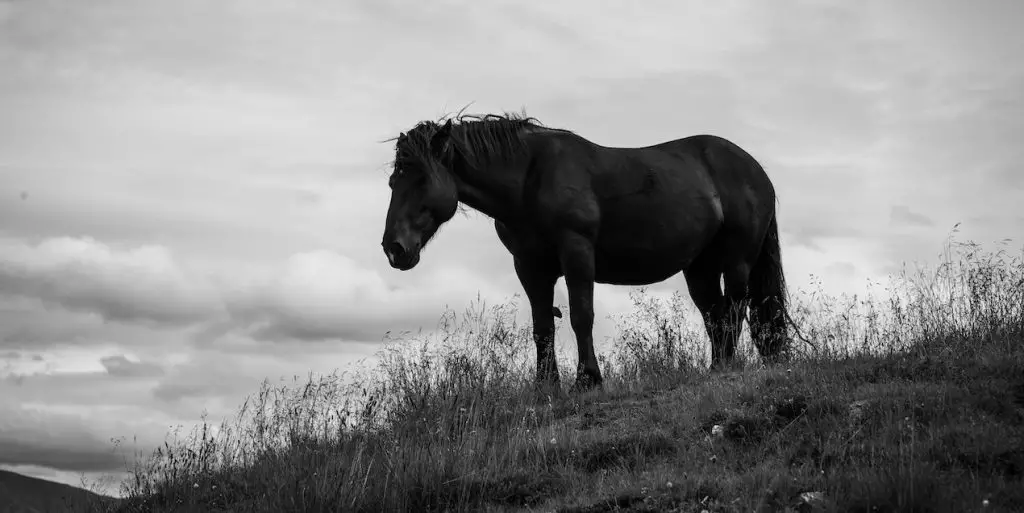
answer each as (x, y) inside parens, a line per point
(395, 248)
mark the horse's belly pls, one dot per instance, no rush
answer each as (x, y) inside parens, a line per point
(636, 266)
(634, 276)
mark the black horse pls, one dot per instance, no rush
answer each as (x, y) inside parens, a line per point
(565, 206)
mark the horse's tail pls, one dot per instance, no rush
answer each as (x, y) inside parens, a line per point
(767, 287)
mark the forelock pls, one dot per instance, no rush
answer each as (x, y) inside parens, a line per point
(413, 147)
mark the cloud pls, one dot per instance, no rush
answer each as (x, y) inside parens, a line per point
(58, 440)
(320, 295)
(31, 325)
(209, 381)
(140, 402)
(120, 366)
(842, 268)
(217, 381)
(69, 420)
(18, 355)
(90, 393)
(142, 284)
(313, 295)
(902, 215)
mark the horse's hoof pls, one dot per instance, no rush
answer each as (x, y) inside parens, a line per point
(720, 367)
(547, 386)
(587, 384)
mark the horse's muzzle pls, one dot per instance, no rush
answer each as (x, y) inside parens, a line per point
(401, 258)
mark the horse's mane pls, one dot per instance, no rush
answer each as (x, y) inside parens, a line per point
(478, 139)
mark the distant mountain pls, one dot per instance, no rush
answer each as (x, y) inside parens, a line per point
(23, 494)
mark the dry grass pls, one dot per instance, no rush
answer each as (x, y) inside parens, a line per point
(910, 403)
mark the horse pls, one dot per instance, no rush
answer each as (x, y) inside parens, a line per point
(564, 206)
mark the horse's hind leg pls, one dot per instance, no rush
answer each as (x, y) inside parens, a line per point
(703, 279)
(723, 313)
(735, 277)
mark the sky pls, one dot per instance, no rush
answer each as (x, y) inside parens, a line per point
(192, 194)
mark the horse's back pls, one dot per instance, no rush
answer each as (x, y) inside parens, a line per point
(738, 178)
(716, 152)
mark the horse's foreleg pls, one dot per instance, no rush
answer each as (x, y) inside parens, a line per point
(576, 255)
(540, 291)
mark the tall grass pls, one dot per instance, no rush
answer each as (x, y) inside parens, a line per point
(451, 421)
(971, 295)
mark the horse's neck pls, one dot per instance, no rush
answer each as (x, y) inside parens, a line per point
(495, 191)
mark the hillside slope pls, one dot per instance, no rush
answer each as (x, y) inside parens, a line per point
(24, 494)
(911, 432)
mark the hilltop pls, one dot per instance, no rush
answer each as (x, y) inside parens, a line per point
(912, 402)
(23, 494)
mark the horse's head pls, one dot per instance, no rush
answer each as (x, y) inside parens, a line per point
(423, 193)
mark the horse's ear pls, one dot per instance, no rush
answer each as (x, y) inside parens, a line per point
(440, 140)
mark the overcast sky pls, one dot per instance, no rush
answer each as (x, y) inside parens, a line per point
(192, 193)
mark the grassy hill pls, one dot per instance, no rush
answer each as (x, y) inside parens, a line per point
(24, 494)
(909, 402)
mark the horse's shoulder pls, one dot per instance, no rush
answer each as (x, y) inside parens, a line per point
(523, 240)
